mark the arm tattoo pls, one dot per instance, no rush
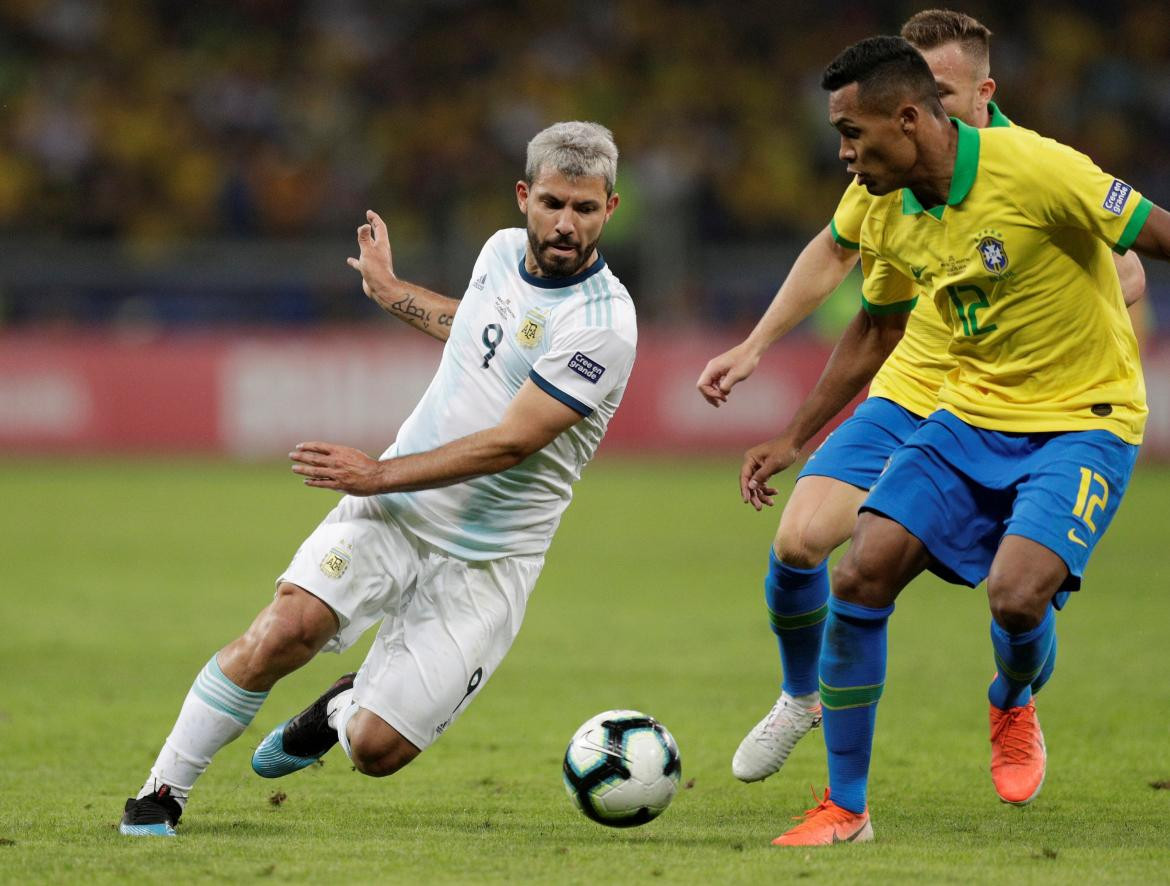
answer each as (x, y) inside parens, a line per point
(416, 314)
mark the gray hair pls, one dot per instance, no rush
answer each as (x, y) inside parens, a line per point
(574, 149)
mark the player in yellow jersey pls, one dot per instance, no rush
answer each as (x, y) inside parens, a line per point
(822, 510)
(1018, 474)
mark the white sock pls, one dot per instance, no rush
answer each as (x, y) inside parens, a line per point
(808, 702)
(340, 711)
(215, 712)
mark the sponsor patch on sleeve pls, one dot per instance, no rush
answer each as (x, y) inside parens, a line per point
(590, 370)
(1117, 197)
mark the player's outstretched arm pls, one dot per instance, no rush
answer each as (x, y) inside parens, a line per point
(426, 311)
(859, 353)
(817, 271)
(532, 420)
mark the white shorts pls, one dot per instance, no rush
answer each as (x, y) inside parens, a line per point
(447, 623)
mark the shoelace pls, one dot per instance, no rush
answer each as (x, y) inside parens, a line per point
(781, 710)
(1015, 735)
(773, 715)
(821, 806)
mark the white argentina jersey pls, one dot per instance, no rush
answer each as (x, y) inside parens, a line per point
(575, 338)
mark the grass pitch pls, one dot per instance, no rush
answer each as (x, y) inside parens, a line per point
(121, 578)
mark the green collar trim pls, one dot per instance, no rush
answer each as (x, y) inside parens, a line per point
(997, 116)
(962, 176)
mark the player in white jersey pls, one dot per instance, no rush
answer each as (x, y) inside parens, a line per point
(443, 537)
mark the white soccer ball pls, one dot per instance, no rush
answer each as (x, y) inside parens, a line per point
(622, 768)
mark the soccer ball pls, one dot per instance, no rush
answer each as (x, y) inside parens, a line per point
(622, 768)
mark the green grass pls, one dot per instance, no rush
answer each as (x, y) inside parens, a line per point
(120, 578)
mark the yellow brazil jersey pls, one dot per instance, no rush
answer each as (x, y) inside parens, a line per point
(1017, 261)
(914, 372)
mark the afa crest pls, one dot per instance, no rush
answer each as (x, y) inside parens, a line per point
(993, 254)
(335, 563)
(531, 330)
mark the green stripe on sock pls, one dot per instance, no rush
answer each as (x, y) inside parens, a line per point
(793, 622)
(1017, 676)
(837, 698)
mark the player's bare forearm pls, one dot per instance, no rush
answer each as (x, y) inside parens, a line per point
(532, 420)
(426, 311)
(858, 355)
(817, 271)
(344, 469)
(860, 352)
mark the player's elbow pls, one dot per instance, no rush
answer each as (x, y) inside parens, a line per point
(512, 447)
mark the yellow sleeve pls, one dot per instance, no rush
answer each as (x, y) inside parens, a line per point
(1070, 190)
(845, 225)
(884, 289)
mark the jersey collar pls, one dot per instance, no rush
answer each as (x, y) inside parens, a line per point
(962, 178)
(561, 282)
(996, 116)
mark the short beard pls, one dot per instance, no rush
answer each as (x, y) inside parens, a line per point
(556, 265)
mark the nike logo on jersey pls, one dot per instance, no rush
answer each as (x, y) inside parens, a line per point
(1072, 536)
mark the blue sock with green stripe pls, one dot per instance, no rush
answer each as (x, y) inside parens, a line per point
(797, 605)
(1020, 661)
(853, 673)
(215, 712)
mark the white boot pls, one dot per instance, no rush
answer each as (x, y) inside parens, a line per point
(764, 749)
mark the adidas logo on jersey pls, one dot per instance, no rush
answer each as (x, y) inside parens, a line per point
(479, 281)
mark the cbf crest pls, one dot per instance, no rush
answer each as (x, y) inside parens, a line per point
(992, 252)
(531, 331)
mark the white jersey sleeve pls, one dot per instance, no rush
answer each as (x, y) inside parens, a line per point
(583, 366)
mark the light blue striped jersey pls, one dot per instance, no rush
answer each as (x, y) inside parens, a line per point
(574, 337)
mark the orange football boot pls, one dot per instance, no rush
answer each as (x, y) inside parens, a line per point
(1018, 756)
(827, 823)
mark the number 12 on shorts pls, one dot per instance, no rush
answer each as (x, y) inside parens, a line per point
(1089, 501)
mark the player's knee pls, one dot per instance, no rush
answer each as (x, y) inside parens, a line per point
(1017, 609)
(797, 544)
(1019, 598)
(855, 582)
(286, 634)
(379, 755)
(299, 621)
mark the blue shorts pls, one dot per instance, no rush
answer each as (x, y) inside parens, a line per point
(961, 489)
(857, 451)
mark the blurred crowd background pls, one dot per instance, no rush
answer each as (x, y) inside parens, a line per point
(190, 164)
